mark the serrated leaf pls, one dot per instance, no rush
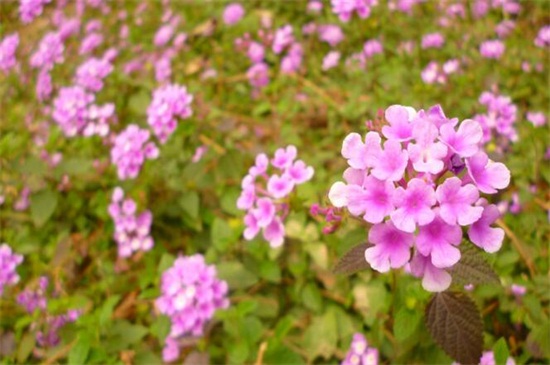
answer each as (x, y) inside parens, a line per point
(353, 260)
(455, 323)
(43, 205)
(473, 269)
(501, 352)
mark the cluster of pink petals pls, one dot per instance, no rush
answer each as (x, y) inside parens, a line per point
(91, 73)
(130, 150)
(330, 33)
(169, 102)
(8, 47)
(233, 13)
(499, 119)
(132, 231)
(432, 40)
(436, 73)
(492, 49)
(49, 52)
(543, 37)
(360, 353)
(538, 119)
(419, 183)
(263, 200)
(30, 9)
(47, 334)
(190, 295)
(8, 263)
(346, 8)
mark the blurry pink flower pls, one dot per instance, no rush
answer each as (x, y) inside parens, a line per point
(330, 60)
(492, 49)
(233, 13)
(538, 119)
(432, 40)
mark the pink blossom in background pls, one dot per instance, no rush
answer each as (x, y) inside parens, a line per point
(169, 103)
(543, 37)
(504, 28)
(492, 49)
(9, 261)
(130, 150)
(360, 353)
(284, 37)
(538, 119)
(132, 231)
(258, 75)
(8, 47)
(292, 61)
(264, 202)
(346, 8)
(90, 43)
(372, 47)
(331, 60)
(499, 119)
(163, 35)
(190, 295)
(233, 13)
(432, 40)
(432, 74)
(30, 9)
(488, 358)
(91, 73)
(49, 52)
(71, 109)
(426, 208)
(314, 6)
(331, 34)
(518, 290)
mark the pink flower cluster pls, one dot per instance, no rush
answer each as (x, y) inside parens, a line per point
(360, 353)
(233, 13)
(33, 300)
(499, 119)
(91, 73)
(8, 263)
(492, 49)
(419, 188)
(130, 150)
(8, 47)
(543, 37)
(76, 114)
(436, 73)
(345, 8)
(30, 9)
(132, 231)
(265, 208)
(169, 102)
(191, 294)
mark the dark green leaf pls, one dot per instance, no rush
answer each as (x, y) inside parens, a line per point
(353, 260)
(455, 323)
(473, 269)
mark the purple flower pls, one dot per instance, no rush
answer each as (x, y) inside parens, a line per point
(426, 155)
(488, 358)
(293, 59)
(456, 202)
(499, 118)
(413, 206)
(90, 43)
(373, 199)
(131, 148)
(486, 174)
(464, 141)
(49, 52)
(91, 73)
(169, 102)
(284, 37)
(256, 52)
(360, 353)
(44, 86)
(518, 290)
(258, 75)
(392, 247)
(233, 13)
(8, 264)
(284, 157)
(71, 109)
(438, 240)
(163, 35)
(432, 74)
(345, 8)
(190, 295)
(432, 40)
(492, 49)
(8, 47)
(400, 126)
(279, 186)
(361, 155)
(483, 235)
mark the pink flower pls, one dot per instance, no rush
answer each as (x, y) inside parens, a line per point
(274, 233)
(233, 13)
(432, 40)
(332, 34)
(538, 119)
(486, 174)
(434, 279)
(492, 49)
(391, 247)
(265, 212)
(330, 60)
(438, 240)
(279, 186)
(426, 155)
(299, 172)
(464, 141)
(456, 202)
(391, 162)
(483, 235)
(413, 206)
(361, 155)
(373, 199)
(400, 126)
(284, 157)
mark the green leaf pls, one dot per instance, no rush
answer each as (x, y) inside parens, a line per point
(75, 166)
(190, 202)
(107, 310)
(501, 352)
(43, 205)
(79, 352)
(455, 323)
(473, 269)
(279, 354)
(238, 352)
(236, 275)
(405, 323)
(311, 297)
(270, 271)
(353, 260)
(321, 337)
(221, 234)
(25, 347)
(161, 327)
(166, 261)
